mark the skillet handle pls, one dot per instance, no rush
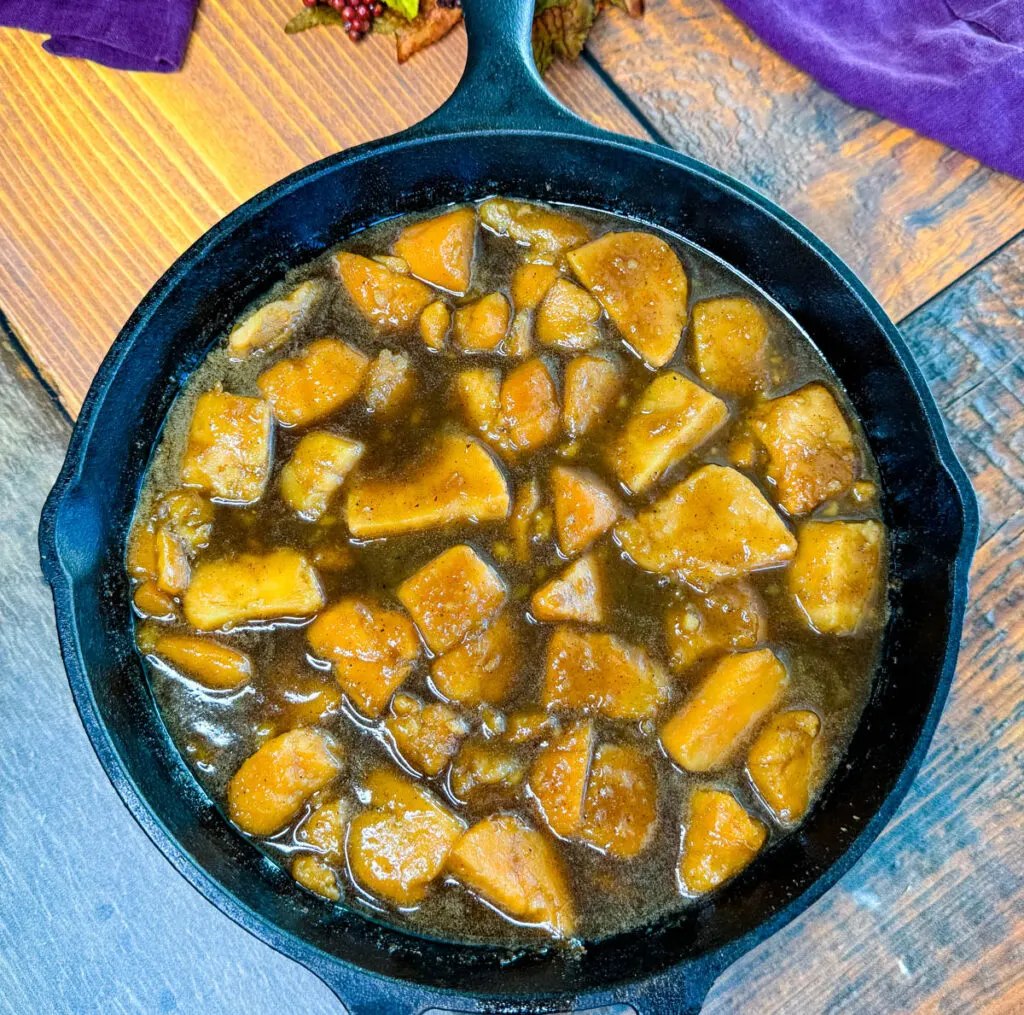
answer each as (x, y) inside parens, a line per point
(500, 88)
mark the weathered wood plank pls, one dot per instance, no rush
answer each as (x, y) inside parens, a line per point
(108, 176)
(908, 214)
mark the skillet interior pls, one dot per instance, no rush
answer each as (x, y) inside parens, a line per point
(927, 504)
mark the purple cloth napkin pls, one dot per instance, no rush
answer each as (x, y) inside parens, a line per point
(950, 69)
(125, 34)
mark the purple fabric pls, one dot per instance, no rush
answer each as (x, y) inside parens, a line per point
(950, 69)
(126, 34)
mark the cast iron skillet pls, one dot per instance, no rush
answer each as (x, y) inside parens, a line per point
(502, 133)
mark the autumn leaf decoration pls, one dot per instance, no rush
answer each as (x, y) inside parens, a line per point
(560, 27)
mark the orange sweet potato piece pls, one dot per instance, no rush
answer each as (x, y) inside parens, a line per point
(451, 597)
(529, 406)
(390, 383)
(189, 515)
(482, 669)
(212, 664)
(521, 524)
(547, 233)
(730, 345)
(620, 809)
(274, 323)
(602, 673)
(584, 508)
(229, 447)
(324, 832)
(305, 701)
(485, 770)
(711, 724)
(577, 594)
(516, 869)
(440, 249)
(719, 840)
(372, 650)
(729, 617)
(567, 318)
(271, 786)
(426, 736)
(641, 284)
(390, 301)
(316, 470)
(151, 602)
(782, 762)
(558, 779)
(434, 324)
(172, 566)
(481, 326)
(316, 383)
(592, 383)
(530, 284)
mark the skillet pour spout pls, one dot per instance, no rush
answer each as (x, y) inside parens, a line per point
(501, 132)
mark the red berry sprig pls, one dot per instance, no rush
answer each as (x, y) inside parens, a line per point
(357, 18)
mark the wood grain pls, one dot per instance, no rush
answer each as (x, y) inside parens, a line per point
(108, 176)
(908, 214)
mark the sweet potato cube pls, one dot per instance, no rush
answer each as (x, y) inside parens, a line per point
(782, 763)
(521, 524)
(390, 383)
(547, 233)
(577, 594)
(529, 406)
(396, 850)
(710, 726)
(440, 249)
(151, 602)
(481, 326)
(719, 840)
(602, 673)
(481, 670)
(172, 566)
(729, 617)
(271, 786)
(372, 650)
(730, 345)
(305, 701)
(212, 664)
(434, 324)
(324, 832)
(671, 418)
(251, 586)
(558, 779)
(714, 525)
(484, 770)
(478, 392)
(426, 736)
(140, 557)
(316, 876)
(274, 323)
(592, 383)
(229, 447)
(519, 341)
(811, 454)
(314, 473)
(584, 508)
(526, 725)
(315, 384)
(567, 318)
(388, 300)
(189, 515)
(516, 869)
(452, 597)
(530, 284)
(641, 283)
(620, 809)
(836, 572)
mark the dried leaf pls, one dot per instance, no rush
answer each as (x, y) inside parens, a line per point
(433, 22)
(310, 17)
(561, 31)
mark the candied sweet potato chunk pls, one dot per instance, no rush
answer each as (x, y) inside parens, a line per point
(730, 344)
(620, 809)
(251, 586)
(152, 602)
(305, 701)
(521, 524)
(396, 850)
(271, 786)
(671, 418)
(172, 566)
(529, 405)
(558, 779)
(482, 669)
(584, 508)
(782, 761)
(711, 724)
(729, 617)
(317, 468)
(189, 515)
(835, 574)
(390, 383)
(547, 233)
(530, 284)
(577, 594)
(459, 481)
(811, 454)
(526, 725)
(592, 383)
(372, 650)
(426, 736)
(478, 391)
(440, 249)
(516, 869)
(641, 283)
(316, 383)
(390, 301)
(434, 324)
(212, 664)
(713, 525)
(719, 840)
(274, 323)
(602, 673)
(229, 447)
(324, 832)
(485, 770)
(481, 326)
(452, 597)
(567, 318)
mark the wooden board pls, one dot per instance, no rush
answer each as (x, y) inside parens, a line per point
(908, 214)
(108, 176)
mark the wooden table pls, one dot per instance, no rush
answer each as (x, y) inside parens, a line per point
(106, 177)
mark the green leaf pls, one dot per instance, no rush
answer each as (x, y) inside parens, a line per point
(310, 17)
(407, 8)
